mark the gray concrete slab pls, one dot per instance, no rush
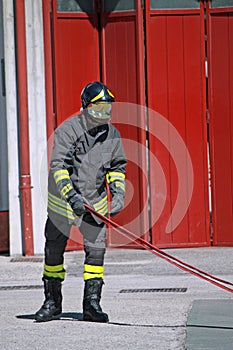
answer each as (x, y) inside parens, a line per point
(210, 325)
(149, 320)
(211, 313)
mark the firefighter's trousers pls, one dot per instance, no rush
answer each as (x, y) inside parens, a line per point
(94, 239)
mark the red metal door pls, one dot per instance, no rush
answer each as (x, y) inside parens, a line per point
(220, 33)
(76, 53)
(176, 90)
(76, 62)
(80, 29)
(123, 70)
(177, 135)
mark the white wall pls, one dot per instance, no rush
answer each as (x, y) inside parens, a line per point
(37, 123)
(12, 129)
(37, 118)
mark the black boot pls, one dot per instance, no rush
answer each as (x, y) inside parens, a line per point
(91, 307)
(52, 307)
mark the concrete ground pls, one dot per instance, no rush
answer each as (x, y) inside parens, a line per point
(139, 318)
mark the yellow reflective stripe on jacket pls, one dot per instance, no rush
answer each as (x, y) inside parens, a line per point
(121, 185)
(102, 206)
(56, 271)
(66, 189)
(61, 175)
(115, 175)
(92, 271)
(59, 206)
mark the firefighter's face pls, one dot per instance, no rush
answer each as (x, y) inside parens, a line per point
(101, 111)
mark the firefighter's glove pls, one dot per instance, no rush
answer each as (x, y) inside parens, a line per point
(76, 203)
(117, 204)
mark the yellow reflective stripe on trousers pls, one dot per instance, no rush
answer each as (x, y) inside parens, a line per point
(92, 271)
(56, 271)
(102, 206)
(93, 268)
(59, 206)
(88, 276)
(61, 175)
(115, 175)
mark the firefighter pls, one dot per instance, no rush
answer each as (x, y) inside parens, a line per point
(87, 153)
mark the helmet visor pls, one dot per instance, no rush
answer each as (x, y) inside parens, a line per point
(100, 110)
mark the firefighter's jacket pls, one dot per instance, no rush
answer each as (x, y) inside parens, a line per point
(89, 158)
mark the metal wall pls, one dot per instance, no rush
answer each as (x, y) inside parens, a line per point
(76, 54)
(176, 90)
(220, 33)
(82, 33)
(122, 69)
(162, 62)
(75, 63)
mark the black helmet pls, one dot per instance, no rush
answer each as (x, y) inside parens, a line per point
(96, 92)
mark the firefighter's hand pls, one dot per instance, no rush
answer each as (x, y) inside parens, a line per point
(117, 204)
(76, 203)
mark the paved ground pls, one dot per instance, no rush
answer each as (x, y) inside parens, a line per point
(210, 325)
(139, 320)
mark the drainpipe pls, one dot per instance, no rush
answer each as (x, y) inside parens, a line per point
(50, 115)
(48, 59)
(25, 177)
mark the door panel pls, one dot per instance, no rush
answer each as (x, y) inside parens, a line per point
(78, 34)
(112, 50)
(76, 63)
(221, 120)
(121, 49)
(76, 55)
(176, 90)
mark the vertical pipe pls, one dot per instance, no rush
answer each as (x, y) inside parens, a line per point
(25, 178)
(140, 54)
(141, 101)
(48, 59)
(50, 115)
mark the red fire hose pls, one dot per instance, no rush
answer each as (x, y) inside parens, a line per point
(163, 255)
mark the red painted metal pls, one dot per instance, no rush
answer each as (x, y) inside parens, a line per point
(48, 60)
(123, 71)
(76, 63)
(25, 178)
(4, 231)
(120, 55)
(50, 116)
(220, 33)
(175, 77)
(76, 59)
(175, 60)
